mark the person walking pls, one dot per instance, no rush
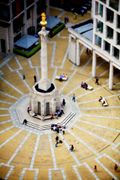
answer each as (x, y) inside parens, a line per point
(57, 138)
(23, 76)
(95, 168)
(115, 167)
(56, 144)
(57, 141)
(35, 78)
(25, 121)
(97, 81)
(63, 102)
(74, 98)
(63, 131)
(71, 147)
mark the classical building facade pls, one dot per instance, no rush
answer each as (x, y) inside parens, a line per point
(101, 35)
(17, 18)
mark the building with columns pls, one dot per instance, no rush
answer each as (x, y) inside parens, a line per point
(101, 35)
(18, 18)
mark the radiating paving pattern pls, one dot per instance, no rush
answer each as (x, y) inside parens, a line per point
(95, 135)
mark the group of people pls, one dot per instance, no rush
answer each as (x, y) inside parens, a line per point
(58, 128)
(59, 113)
(34, 77)
(58, 141)
(85, 85)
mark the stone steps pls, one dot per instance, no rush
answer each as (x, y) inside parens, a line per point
(65, 122)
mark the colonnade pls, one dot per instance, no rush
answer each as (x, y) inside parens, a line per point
(74, 54)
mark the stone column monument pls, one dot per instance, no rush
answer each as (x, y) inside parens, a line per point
(44, 82)
(45, 98)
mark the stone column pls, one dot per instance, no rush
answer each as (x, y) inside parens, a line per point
(43, 108)
(44, 69)
(72, 49)
(33, 104)
(94, 64)
(77, 53)
(69, 43)
(111, 72)
(53, 105)
(44, 83)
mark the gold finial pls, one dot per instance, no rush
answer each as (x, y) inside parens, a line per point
(43, 21)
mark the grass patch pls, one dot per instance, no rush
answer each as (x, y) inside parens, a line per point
(27, 53)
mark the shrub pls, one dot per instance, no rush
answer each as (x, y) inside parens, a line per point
(56, 29)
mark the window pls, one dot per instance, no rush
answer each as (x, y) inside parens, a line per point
(114, 4)
(28, 14)
(3, 45)
(29, 2)
(96, 8)
(118, 38)
(118, 21)
(107, 47)
(17, 24)
(4, 1)
(116, 53)
(109, 32)
(101, 10)
(31, 30)
(100, 26)
(4, 12)
(17, 7)
(98, 41)
(17, 37)
(110, 15)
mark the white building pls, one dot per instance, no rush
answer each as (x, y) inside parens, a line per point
(102, 36)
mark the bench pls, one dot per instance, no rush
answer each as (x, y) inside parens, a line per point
(61, 78)
(90, 87)
(103, 101)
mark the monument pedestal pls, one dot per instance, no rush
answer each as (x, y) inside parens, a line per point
(44, 103)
